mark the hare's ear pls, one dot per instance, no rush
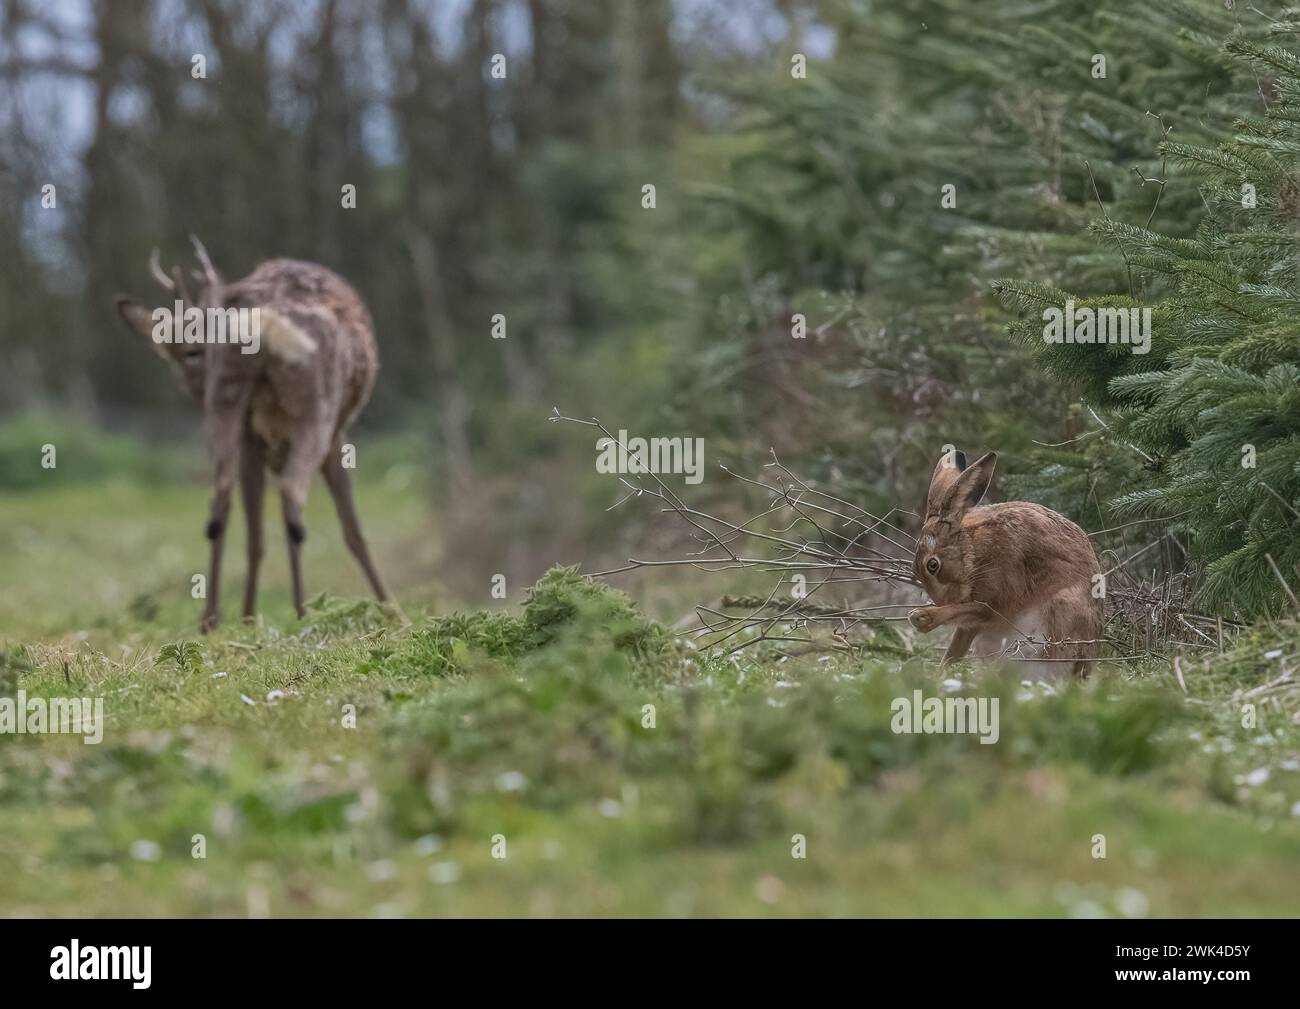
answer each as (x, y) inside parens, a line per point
(970, 486)
(949, 468)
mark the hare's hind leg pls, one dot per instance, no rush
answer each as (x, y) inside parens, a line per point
(1074, 630)
(959, 644)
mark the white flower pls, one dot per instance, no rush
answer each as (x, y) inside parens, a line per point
(379, 871)
(145, 851)
(443, 873)
(1132, 903)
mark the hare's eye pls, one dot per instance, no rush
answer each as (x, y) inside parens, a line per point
(932, 565)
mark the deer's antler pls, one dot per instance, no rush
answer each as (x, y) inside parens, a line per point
(156, 269)
(178, 284)
(209, 271)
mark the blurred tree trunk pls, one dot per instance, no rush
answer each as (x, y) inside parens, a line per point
(453, 407)
(117, 34)
(418, 73)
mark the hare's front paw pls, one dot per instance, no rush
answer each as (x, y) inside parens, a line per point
(922, 619)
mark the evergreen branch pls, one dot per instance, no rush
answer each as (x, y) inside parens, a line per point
(1024, 296)
(1271, 59)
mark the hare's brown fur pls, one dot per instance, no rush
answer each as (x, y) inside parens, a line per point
(1013, 579)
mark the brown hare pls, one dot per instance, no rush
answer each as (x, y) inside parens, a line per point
(1015, 580)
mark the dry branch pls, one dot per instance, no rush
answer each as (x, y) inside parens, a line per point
(809, 538)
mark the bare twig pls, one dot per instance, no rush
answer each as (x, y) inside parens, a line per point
(808, 536)
(1285, 587)
(1122, 251)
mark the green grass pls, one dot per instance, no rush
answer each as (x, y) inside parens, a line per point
(529, 726)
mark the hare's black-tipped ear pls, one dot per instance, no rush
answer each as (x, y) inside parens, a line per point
(971, 485)
(139, 319)
(946, 471)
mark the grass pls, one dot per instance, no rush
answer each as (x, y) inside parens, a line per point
(351, 764)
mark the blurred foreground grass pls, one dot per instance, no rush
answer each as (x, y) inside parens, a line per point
(529, 736)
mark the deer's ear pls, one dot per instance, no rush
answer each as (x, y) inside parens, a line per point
(140, 319)
(134, 315)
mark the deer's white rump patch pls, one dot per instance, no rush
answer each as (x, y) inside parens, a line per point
(284, 338)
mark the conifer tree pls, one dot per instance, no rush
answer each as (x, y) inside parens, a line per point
(1215, 405)
(834, 207)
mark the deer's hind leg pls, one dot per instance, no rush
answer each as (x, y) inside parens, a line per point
(223, 440)
(339, 481)
(306, 455)
(252, 484)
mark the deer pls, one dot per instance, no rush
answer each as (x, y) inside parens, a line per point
(281, 398)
